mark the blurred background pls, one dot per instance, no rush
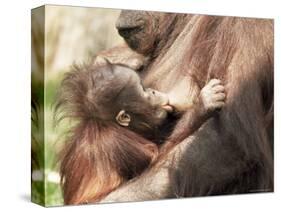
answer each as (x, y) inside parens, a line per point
(71, 35)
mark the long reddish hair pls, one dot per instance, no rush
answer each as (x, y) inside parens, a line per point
(98, 155)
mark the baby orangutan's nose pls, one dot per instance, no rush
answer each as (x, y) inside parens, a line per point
(161, 99)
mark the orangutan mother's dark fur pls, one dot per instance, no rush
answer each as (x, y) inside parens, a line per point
(233, 152)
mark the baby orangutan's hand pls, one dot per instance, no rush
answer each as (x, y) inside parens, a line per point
(213, 96)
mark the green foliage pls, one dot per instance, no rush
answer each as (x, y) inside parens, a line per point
(45, 145)
(52, 193)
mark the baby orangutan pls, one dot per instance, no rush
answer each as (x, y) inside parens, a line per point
(117, 125)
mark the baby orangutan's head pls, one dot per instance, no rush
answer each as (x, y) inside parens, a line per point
(114, 93)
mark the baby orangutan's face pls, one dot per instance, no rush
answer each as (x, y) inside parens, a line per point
(138, 103)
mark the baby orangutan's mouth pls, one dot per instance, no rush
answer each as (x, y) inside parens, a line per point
(169, 108)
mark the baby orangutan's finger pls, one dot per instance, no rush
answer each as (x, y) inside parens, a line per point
(218, 88)
(219, 96)
(214, 82)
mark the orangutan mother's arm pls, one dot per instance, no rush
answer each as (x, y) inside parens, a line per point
(154, 184)
(197, 166)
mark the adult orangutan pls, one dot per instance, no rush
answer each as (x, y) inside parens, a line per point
(233, 151)
(178, 54)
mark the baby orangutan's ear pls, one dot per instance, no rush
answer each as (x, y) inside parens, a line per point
(123, 118)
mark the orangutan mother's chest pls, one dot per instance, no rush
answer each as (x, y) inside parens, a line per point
(180, 88)
(161, 78)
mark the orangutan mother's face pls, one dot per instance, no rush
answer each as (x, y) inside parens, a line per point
(140, 29)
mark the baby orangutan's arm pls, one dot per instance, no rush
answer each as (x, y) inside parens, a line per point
(211, 99)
